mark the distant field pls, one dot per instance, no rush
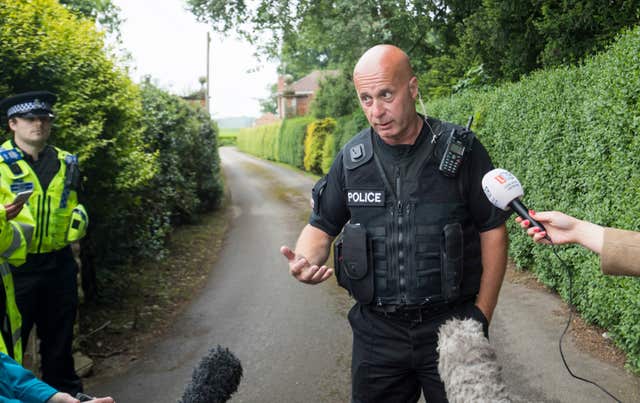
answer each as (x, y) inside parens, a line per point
(228, 137)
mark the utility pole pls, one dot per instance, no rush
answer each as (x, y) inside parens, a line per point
(207, 97)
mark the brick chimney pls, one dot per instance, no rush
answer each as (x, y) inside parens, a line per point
(281, 84)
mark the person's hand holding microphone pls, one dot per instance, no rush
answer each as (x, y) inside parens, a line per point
(67, 398)
(564, 229)
(550, 227)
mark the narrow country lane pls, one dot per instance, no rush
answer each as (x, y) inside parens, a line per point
(294, 340)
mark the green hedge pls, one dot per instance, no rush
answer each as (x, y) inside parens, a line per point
(228, 137)
(348, 126)
(317, 132)
(261, 141)
(324, 137)
(129, 141)
(345, 129)
(571, 136)
(188, 179)
(328, 152)
(291, 141)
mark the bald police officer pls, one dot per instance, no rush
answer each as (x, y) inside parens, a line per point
(419, 244)
(46, 286)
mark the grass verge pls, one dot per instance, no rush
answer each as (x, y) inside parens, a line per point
(138, 303)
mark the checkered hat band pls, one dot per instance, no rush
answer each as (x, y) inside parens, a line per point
(28, 107)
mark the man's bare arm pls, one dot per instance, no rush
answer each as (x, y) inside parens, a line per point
(493, 244)
(306, 263)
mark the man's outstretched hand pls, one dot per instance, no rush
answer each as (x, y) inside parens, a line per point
(302, 270)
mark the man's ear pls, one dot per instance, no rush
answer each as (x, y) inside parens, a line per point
(413, 87)
(12, 122)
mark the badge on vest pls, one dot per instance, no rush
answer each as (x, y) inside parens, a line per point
(10, 156)
(19, 186)
(365, 198)
(357, 152)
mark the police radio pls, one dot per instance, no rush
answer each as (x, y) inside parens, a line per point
(456, 145)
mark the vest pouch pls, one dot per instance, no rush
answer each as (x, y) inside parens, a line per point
(451, 261)
(337, 264)
(356, 262)
(58, 227)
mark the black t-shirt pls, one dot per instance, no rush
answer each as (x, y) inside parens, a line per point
(46, 166)
(332, 213)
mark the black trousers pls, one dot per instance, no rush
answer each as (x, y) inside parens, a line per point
(49, 298)
(394, 358)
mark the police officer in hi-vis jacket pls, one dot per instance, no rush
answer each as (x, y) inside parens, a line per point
(45, 285)
(16, 383)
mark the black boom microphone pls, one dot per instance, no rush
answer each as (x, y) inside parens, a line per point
(215, 379)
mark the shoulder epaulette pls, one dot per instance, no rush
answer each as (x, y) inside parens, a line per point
(71, 159)
(10, 156)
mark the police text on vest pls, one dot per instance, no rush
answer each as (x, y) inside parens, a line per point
(365, 198)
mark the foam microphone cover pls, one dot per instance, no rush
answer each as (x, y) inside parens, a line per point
(215, 379)
(468, 364)
(501, 187)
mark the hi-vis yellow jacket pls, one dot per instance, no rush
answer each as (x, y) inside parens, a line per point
(51, 219)
(15, 236)
(59, 218)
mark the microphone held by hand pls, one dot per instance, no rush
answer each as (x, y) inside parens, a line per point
(215, 379)
(468, 364)
(504, 191)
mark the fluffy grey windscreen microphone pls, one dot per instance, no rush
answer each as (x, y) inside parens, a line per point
(468, 364)
(215, 379)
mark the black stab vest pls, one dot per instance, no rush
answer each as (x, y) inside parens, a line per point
(406, 234)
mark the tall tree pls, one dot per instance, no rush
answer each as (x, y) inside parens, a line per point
(501, 36)
(572, 28)
(513, 38)
(105, 12)
(270, 103)
(452, 43)
(310, 34)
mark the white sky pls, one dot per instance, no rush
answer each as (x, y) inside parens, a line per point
(167, 43)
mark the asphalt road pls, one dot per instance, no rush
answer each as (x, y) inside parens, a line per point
(294, 340)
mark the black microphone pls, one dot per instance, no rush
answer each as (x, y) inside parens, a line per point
(215, 379)
(504, 190)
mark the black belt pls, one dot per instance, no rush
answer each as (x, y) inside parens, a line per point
(417, 313)
(414, 313)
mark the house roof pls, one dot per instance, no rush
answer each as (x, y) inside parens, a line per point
(266, 119)
(311, 82)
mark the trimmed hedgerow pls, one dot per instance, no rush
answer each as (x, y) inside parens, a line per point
(291, 137)
(261, 141)
(291, 141)
(571, 135)
(317, 132)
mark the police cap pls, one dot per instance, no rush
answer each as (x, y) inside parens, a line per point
(29, 104)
